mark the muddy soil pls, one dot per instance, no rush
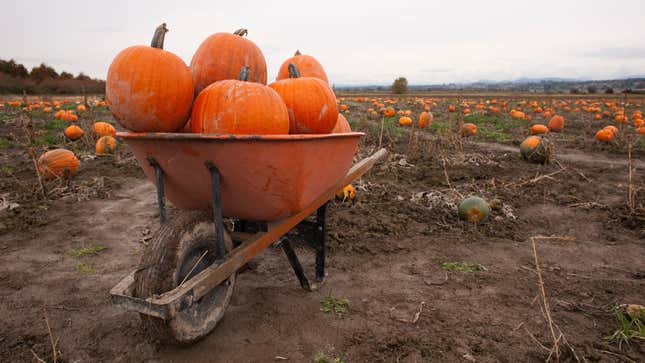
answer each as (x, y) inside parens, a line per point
(386, 252)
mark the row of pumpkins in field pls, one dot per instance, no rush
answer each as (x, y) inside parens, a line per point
(224, 90)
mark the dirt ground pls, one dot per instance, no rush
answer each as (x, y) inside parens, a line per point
(386, 252)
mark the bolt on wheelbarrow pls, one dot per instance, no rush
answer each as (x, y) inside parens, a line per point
(268, 185)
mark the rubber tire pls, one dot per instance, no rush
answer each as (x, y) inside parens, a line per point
(171, 246)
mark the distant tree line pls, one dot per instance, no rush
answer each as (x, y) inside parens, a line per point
(43, 79)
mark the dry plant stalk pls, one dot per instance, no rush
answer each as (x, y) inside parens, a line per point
(29, 135)
(631, 198)
(380, 137)
(545, 302)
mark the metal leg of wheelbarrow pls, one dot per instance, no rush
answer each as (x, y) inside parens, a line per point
(220, 250)
(318, 245)
(160, 191)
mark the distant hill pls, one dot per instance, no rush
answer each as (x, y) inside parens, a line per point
(536, 85)
(15, 78)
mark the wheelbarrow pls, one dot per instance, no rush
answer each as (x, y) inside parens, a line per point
(266, 185)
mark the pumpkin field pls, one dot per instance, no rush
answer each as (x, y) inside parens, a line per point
(545, 266)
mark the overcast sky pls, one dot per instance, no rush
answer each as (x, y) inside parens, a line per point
(357, 42)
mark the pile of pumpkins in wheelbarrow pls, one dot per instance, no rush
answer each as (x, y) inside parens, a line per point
(223, 91)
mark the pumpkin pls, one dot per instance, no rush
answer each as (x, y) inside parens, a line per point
(597, 116)
(605, 135)
(556, 123)
(640, 130)
(103, 129)
(73, 132)
(222, 55)
(467, 130)
(611, 128)
(536, 149)
(342, 126)
(105, 145)
(474, 210)
(308, 66)
(343, 107)
(81, 108)
(57, 163)
(451, 108)
(425, 119)
(149, 89)
(620, 118)
(311, 103)
(538, 129)
(239, 107)
(405, 121)
(389, 112)
(347, 193)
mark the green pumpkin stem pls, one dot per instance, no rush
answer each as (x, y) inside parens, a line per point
(241, 32)
(158, 38)
(244, 74)
(297, 52)
(293, 71)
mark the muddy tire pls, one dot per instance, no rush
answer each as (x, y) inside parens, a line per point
(184, 245)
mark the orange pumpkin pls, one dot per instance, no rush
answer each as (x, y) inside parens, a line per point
(81, 108)
(538, 129)
(611, 128)
(149, 89)
(451, 108)
(105, 145)
(405, 121)
(425, 119)
(620, 118)
(222, 55)
(103, 129)
(57, 164)
(73, 132)
(604, 135)
(308, 66)
(342, 126)
(343, 107)
(239, 107)
(311, 103)
(556, 123)
(389, 112)
(641, 130)
(467, 130)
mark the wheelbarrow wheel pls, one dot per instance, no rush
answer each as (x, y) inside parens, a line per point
(180, 249)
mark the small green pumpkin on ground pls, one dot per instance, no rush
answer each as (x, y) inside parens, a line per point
(474, 210)
(536, 149)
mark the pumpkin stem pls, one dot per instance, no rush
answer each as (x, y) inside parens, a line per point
(244, 74)
(160, 34)
(293, 71)
(297, 52)
(241, 32)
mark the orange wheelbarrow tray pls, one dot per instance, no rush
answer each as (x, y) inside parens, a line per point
(266, 184)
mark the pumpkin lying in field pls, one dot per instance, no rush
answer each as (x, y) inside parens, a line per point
(57, 163)
(605, 135)
(105, 145)
(149, 89)
(467, 130)
(73, 132)
(556, 123)
(315, 114)
(538, 129)
(347, 193)
(101, 129)
(474, 210)
(536, 149)
(240, 107)
(425, 119)
(405, 121)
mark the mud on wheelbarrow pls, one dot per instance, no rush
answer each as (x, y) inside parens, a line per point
(267, 185)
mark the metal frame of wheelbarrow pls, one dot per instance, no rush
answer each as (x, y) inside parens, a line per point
(168, 304)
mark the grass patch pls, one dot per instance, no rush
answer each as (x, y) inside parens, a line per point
(4, 143)
(85, 269)
(47, 139)
(462, 267)
(495, 128)
(324, 358)
(628, 329)
(331, 304)
(56, 125)
(88, 251)
(7, 170)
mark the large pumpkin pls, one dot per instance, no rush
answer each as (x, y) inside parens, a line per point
(101, 128)
(425, 119)
(538, 129)
(307, 65)
(536, 149)
(57, 164)
(311, 103)
(556, 123)
(342, 126)
(467, 130)
(149, 89)
(73, 132)
(222, 55)
(239, 107)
